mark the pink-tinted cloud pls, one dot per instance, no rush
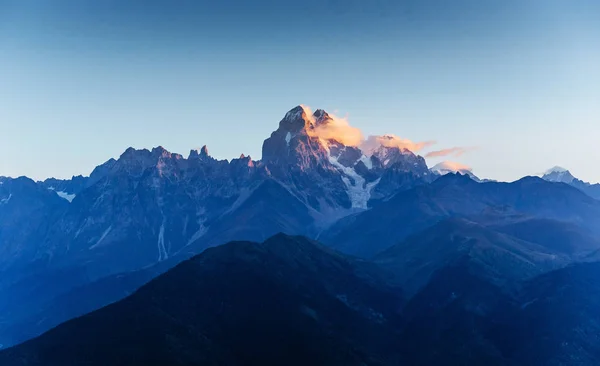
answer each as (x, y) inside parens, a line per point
(339, 129)
(451, 166)
(453, 151)
(373, 142)
(335, 128)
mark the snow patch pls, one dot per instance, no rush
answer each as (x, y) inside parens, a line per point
(288, 138)
(185, 225)
(367, 161)
(162, 251)
(102, 237)
(358, 192)
(65, 195)
(5, 200)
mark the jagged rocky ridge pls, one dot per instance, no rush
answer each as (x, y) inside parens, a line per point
(149, 206)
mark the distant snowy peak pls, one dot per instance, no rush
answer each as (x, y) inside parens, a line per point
(390, 155)
(562, 175)
(558, 174)
(556, 169)
(446, 167)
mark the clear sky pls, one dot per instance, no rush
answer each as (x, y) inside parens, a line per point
(82, 80)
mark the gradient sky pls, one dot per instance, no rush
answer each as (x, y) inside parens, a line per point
(81, 80)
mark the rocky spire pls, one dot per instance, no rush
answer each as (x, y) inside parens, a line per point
(201, 154)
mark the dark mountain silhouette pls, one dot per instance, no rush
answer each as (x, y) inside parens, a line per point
(292, 301)
(286, 301)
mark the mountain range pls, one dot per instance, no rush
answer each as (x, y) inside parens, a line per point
(383, 252)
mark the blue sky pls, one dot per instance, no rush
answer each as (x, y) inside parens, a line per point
(82, 80)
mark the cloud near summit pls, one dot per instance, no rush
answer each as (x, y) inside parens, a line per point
(452, 166)
(373, 142)
(339, 129)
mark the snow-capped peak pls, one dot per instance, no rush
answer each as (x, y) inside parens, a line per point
(556, 169)
(389, 154)
(558, 174)
(446, 167)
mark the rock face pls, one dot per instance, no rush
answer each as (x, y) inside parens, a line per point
(301, 162)
(27, 211)
(330, 176)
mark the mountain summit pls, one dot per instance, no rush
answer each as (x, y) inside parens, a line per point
(318, 147)
(558, 174)
(446, 167)
(562, 175)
